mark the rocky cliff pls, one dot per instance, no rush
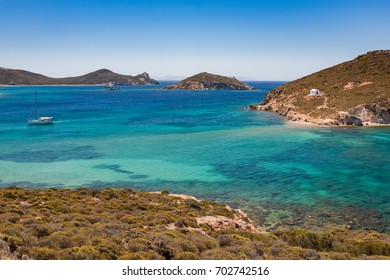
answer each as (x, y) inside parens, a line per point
(356, 92)
(102, 76)
(207, 81)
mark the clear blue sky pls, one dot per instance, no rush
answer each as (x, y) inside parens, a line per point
(258, 40)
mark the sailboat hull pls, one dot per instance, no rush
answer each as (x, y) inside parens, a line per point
(41, 120)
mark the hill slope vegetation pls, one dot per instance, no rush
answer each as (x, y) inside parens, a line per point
(354, 92)
(128, 224)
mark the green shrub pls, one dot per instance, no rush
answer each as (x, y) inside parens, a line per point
(217, 254)
(308, 239)
(42, 253)
(57, 240)
(86, 253)
(140, 256)
(187, 256)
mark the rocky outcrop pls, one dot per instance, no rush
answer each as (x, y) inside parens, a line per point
(102, 76)
(240, 221)
(356, 92)
(207, 81)
(371, 113)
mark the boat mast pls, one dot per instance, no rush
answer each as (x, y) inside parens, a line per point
(36, 105)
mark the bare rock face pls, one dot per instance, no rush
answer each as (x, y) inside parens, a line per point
(240, 221)
(355, 92)
(5, 252)
(371, 113)
(207, 81)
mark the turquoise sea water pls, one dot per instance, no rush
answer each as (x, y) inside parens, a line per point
(202, 143)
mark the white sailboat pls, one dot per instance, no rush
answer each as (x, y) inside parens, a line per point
(38, 119)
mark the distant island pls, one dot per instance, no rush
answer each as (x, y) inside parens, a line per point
(356, 92)
(102, 76)
(207, 81)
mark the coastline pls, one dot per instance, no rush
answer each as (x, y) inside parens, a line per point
(302, 119)
(316, 124)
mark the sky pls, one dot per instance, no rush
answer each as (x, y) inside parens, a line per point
(252, 40)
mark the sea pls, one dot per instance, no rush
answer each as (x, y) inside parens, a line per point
(201, 143)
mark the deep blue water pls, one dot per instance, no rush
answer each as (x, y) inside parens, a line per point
(202, 143)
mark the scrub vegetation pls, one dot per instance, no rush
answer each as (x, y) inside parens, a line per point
(128, 224)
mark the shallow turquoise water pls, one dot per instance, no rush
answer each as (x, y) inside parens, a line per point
(200, 143)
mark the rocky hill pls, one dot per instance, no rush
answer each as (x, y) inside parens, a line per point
(207, 81)
(356, 92)
(22, 77)
(127, 224)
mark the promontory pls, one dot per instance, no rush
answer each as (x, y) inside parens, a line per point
(207, 81)
(102, 76)
(356, 92)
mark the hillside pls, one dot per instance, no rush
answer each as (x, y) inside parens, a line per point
(128, 224)
(356, 92)
(22, 77)
(207, 81)
(103, 76)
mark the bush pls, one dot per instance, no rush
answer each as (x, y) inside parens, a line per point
(217, 254)
(140, 256)
(41, 231)
(86, 253)
(57, 240)
(42, 253)
(139, 244)
(308, 239)
(187, 256)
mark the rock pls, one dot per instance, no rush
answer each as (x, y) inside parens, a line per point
(240, 221)
(372, 112)
(5, 252)
(347, 119)
(224, 223)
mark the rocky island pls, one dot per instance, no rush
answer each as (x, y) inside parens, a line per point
(207, 81)
(102, 76)
(356, 92)
(108, 224)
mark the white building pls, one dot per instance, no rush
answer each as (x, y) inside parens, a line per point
(314, 92)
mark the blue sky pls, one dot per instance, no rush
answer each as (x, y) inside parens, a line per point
(253, 40)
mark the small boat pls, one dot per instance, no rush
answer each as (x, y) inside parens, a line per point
(110, 86)
(38, 119)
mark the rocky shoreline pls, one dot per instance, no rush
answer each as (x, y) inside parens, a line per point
(362, 115)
